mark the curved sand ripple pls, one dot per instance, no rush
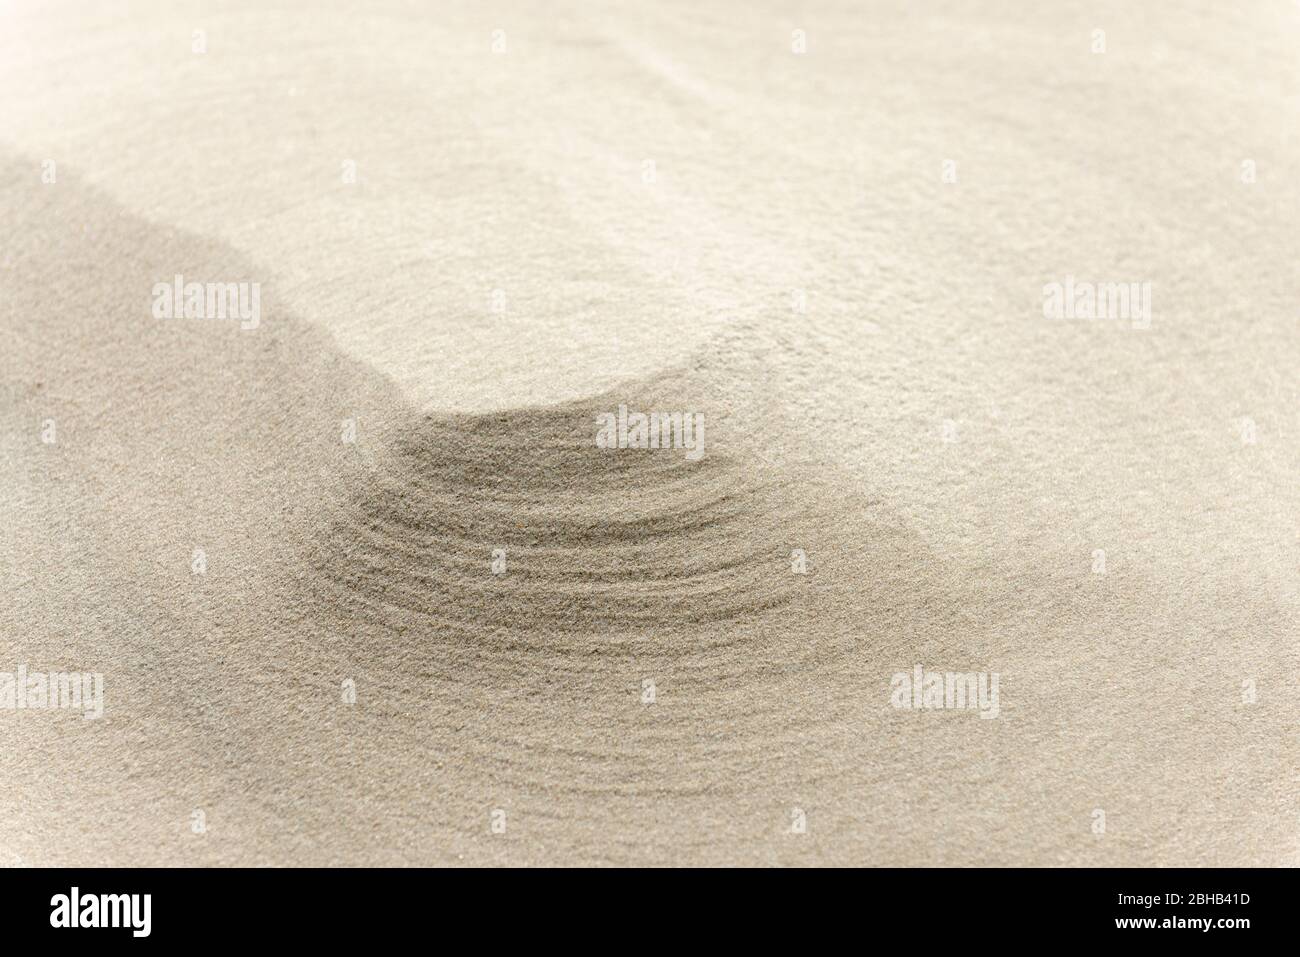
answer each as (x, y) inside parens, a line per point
(523, 692)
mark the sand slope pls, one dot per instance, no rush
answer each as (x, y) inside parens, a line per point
(948, 459)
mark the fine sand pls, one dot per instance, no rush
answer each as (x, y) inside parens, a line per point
(469, 245)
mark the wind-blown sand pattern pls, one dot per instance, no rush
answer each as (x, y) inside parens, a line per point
(948, 460)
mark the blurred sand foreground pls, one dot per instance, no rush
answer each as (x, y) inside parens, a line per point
(361, 586)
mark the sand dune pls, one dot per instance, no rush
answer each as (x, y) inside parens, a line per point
(395, 487)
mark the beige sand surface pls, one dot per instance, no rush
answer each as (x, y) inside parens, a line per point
(865, 340)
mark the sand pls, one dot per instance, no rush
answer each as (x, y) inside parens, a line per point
(468, 246)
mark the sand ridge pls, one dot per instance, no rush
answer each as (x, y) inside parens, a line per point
(948, 461)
